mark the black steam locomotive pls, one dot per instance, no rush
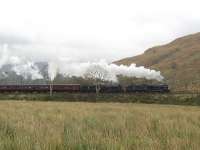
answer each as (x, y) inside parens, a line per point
(77, 88)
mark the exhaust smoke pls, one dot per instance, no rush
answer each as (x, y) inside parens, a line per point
(26, 67)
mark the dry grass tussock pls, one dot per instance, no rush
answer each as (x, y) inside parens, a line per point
(65, 125)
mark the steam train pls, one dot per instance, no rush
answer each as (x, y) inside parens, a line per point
(77, 88)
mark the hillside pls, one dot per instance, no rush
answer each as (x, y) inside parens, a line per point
(178, 61)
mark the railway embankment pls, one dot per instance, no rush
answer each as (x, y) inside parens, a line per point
(150, 98)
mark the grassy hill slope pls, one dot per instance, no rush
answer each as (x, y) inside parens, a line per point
(179, 62)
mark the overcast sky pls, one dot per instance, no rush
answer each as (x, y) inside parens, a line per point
(90, 29)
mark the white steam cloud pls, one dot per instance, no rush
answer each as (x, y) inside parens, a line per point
(52, 70)
(20, 66)
(67, 67)
(28, 70)
(112, 70)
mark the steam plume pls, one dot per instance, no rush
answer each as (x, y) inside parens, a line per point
(52, 70)
(19, 66)
(79, 69)
(67, 67)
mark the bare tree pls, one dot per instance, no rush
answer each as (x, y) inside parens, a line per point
(97, 74)
(124, 81)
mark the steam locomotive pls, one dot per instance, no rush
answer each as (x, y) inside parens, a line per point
(77, 88)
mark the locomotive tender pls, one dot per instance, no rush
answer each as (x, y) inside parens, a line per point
(77, 88)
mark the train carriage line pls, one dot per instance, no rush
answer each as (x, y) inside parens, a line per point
(71, 88)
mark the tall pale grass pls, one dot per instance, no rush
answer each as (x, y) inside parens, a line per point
(64, 125)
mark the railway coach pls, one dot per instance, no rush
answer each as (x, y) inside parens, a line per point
(72, 88)
(41, 88)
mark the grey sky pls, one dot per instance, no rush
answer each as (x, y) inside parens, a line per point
(91, 29)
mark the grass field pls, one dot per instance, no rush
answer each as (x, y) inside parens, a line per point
(69, 125)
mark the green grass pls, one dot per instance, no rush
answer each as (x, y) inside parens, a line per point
(150, 98)
(75, 125)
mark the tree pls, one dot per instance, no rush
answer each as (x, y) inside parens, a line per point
(98, 75)
(124, 81)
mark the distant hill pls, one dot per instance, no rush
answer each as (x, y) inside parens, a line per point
(178, 61)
